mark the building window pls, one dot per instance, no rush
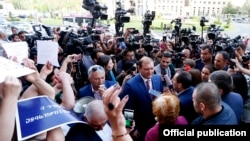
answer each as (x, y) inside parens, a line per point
(218, 2)
(194, 12)
(209, 2)
(186, 3)
(224, 3)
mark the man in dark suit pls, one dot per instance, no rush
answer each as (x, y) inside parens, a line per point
(182, 84)
(137, 88)
(96, 76)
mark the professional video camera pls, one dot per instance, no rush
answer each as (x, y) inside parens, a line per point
(178, 23)
(134, 39)
(213, 32)
(202, 24)
(228, 45)
(176, 32)
(177, 58)
(42, 32)
(147, 21)
(148, 41)
(70, 40)
(203, 21)
(121, 18)
(95, 9)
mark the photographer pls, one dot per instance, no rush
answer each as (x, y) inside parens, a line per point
(127, 54)
(239, 69)
(108, 46)
(240, 51)
(129, 70)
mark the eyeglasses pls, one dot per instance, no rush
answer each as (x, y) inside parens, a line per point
(95, 68)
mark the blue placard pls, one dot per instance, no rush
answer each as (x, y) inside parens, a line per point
(40, 114)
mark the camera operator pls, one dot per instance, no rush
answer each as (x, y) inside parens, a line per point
(245, 70)
(166, 69)
(104, 45)
(240, 52)
(180, 57)
(127, 54)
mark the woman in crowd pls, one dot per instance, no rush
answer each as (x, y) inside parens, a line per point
(206, 71)
(166, 108)
(106, 62)
(196, 76)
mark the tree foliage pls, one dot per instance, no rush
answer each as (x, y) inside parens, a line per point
(43, 6)
(246, 7)
(229, 9)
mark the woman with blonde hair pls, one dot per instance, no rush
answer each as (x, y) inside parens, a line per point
(166, 108)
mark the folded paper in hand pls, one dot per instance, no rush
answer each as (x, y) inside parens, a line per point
(154, 92)
(11, 68)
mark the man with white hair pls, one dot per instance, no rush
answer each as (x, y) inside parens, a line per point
(96, 127)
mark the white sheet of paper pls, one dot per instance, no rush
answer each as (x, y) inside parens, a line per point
(10, 68)
(18, 49)
(47, 51)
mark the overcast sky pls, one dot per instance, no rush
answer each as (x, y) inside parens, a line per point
(238, 2)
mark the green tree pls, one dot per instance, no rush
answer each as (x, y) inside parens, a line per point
(229, 9)
(246, 7)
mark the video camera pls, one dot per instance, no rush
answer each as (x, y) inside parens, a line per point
(70, 40)
(95, 9)
(203, 21)
(42, 32)
(121, 18)
(147, 42)
(120, 14)
(214, 31)
(148, 17)
(178, 23)
(228, 45)
(147, 21)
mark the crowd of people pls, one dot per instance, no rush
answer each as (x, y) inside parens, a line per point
(203, 89)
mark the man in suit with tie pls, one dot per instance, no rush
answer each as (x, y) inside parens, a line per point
(96, 76)
(137, 88)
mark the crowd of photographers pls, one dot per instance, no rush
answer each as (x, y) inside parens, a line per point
(98, 63)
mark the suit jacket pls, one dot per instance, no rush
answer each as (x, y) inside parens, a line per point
(82, 132)
(186, 104)
(141, 102)
(87, 90)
